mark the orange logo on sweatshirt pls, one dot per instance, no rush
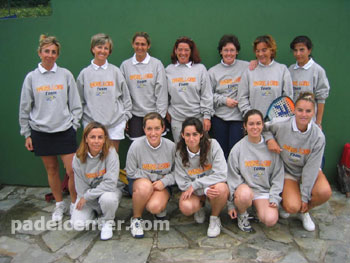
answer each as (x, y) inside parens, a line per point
(189, 79)
(139, 76)
(266, 83)
(101, 84)
(303, 83)
(229, 81)
(97, 174)
(296, 150)
(155, 166)
(50, 88)
(254, 163)
(199, 170)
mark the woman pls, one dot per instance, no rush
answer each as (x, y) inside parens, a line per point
(96, 170)
(103, 91)
(149, 167)
(255, 176)
(268, 81)
(188, 86)
(300, 142)
(145, 77)
(49, 115)
(308, 76)
(200, 172)
(227, 125)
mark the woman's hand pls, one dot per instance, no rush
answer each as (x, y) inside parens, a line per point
(273, 205)
(231, 103)
(304, 207)
(206, 124)
(273, 146)
(158, 185)
(212, 192)
(187, 194)
(232, 213)
(253, 64)
(28, 144)
(81, 203)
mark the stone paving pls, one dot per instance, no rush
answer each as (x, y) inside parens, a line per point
(185, 241)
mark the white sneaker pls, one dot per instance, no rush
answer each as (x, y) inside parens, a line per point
(161, 215)
(71, 208)
(58, 212)
(214, 228)
(308, 224)
(107, 230)
(199, 216)
(283, 213)
(243, 222)
(136, 227)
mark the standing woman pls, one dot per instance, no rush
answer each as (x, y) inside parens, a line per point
(49, 115)
(146, 80)
(103, 91)
(200, 172)
(188, 86)
(96, 170)
(308, 76)
(227, 125)
(255, 176)
(149, 167)
(268, 81)
(300, 142)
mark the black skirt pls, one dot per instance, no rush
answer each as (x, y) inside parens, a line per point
(47, 144)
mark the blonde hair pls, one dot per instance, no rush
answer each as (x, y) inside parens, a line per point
(84, 148)
(48, 40)
(307, 96)
(269, 41)
(101, 39)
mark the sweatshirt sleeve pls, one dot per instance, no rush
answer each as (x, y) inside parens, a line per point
(74, 102)
(25, 106)
(110, 178)
(276, 180)
(169, 179)
(81, 185)
(161, 91)
(126, 99)
(219, 169)
(287, 85)
(206, 103)
(311, 169)
(181, 177)
(80, 87)
(243, 94)
(218, 99)
(321, 88)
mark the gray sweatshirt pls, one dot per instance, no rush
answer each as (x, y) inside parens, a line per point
(95, 177)
(104, 95)
(301, 152)
(147, 85)
(253, 164)
(49, 102)
(190, 92)
(214, 171)
(225, 80)
(259, 87)
(144, 161)
(310, 78)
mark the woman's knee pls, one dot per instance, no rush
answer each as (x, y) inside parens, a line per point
(270, 219)
(187, 207)
(244, 194)
(291, 208)
(155, 206)
(142, 188)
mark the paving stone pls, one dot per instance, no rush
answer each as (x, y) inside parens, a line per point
(34, 255)
(337, 252)
(38, 192)
(5, 259)
(124, 250)
(221, 241)
(64, 260)
(313, 249)
(171, 239)
(269, 256)
(297, 230)
(57, 238)
(123, 213)
(78, 246)
(279, 233)
(6, 205)
(194, 232)
(39, 204)
(246, 252)
(333, 232)
(293, 257)
(11, 247)
(260, 241)
(36, 224)
(4, 192)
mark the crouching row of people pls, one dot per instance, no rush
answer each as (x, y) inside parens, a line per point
(253, 174)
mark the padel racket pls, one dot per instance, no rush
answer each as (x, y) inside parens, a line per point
(281, 107)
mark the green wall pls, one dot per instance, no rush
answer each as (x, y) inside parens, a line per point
(205, 21)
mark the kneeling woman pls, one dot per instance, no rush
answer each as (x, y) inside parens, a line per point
(302, 141)
(96, 173)
(149, 167)
(255, 175)
(200, 172)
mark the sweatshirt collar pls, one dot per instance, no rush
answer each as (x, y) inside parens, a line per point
(261, 64)
(154, 148)
(189, 64)
(94, 157)
(227, 65)
(306, 66)
(191, 154)
(295, 127)
(145, 61)
(96, 67)
(43, 70)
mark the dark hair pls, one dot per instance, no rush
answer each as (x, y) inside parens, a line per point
(269, 41)
(204, 143)
(301, 39)
(194, 57)
(226, 39)
(250, 113)
(142, 34)
(307, 96)
(152, 116)
(84, 148)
